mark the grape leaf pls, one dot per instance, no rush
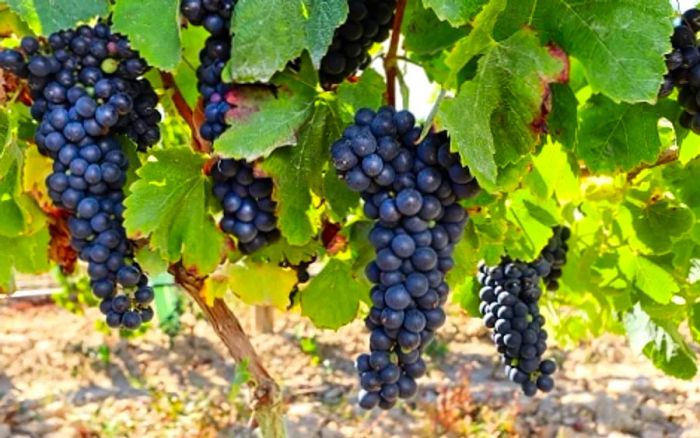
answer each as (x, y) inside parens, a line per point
(262, 122)
(532, 222)
(338, 196)
(554, 171)
(495, 118)
(153, 28)
(424, 33)
(694, 321)
(619, 43)
(661, 343)
(368, 92)
(331, 298)
(690, 149)
(618, 136)
(648, 276)
(170, 180)
(651, 228)
(456, 12)
(281, 30)
(297, 169)
(28, 255)
(562, 122)
(467, 296)
(259, 284)
(47, 16)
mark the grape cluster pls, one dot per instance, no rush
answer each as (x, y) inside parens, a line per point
(555, 254)
(215, 17)
(249, 211)
(684, 69)
(411, 192)
(509, 304)
(85, 88)
(369, 22)
(245, 198)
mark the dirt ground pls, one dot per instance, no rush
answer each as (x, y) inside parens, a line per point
(59, 377)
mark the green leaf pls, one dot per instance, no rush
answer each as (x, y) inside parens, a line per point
(552, 169)
(494, 118)
(424, 33)
(258, 284)
(618, 136)
(625, 63)
(651, 229)
(368, 92)
(457, 12)
(690, 149)
(282, 251)
(648, 276)
(338, 196)
(29, 255)
(694, 321)
(467, 296)
(533, 221)
(332, 298)
(281, 30)
(660, 342)
(562, 122)
(170, 180)
(262, 122)
(153, 28)
(47, 16)
(297, 169)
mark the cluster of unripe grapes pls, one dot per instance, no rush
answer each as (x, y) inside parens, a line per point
(684, 69)
(245, 197)
(411, 190)
(369, 22)
(86, 88)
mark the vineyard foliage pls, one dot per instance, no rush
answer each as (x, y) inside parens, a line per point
(552, 104)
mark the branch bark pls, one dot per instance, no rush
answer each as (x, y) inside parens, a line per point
(198, 144)
(390, 60)
(668, 156)
(266, 403)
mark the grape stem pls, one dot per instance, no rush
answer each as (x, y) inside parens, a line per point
(266, 394)
(390, 65)
(185, 112)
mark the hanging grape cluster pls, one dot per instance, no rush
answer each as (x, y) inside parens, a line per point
(684, 69)
(555, 254)
(509, 296)
(86, 88)
(411, 191)
(246, 198)
(369, 22)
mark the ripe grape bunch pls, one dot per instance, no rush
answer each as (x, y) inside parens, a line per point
(245, 197)
(85, 88)
(555, 254)
(369, 22)
(684, 69)
(509, 296)
(411, 192)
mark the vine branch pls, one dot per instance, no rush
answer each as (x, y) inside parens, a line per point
(187, 114)
(266, 393)
(668, 156)
(390, 60)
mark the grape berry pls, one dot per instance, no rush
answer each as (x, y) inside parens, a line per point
(555, 254)
(411, 192)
